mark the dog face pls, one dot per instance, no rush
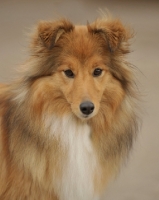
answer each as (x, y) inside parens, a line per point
(83, 84)
(82, 73)
(79, 60)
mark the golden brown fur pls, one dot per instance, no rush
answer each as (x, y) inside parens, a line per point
(35, 151)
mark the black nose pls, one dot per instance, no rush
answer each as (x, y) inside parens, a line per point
(87, 107)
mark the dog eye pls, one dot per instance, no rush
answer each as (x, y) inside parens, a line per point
(97, 72)
(69, 73)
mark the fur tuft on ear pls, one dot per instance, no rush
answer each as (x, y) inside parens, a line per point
(48, 33)
(112, 31)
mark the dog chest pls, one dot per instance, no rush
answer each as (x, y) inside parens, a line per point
(80, 166)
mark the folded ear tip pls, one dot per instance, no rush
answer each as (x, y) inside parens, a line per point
(48, 32)
(113, 32)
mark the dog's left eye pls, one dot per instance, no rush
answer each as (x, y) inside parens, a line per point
(69, 73)
(97, 72)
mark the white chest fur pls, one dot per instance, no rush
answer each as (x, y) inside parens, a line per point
(79, 170)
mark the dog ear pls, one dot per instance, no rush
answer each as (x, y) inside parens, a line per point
(113, 32)
(48, 33)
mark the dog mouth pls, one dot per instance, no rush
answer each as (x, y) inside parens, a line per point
(84, 117)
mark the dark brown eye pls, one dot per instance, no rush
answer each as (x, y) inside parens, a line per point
(97, 72)
(69, 73)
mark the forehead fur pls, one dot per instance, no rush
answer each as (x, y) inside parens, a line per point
(80, 43)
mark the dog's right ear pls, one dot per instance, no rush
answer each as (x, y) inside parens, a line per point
(48, 33)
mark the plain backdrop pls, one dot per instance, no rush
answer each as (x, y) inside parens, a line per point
(139, 179)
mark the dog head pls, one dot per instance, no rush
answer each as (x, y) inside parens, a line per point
(83, 64)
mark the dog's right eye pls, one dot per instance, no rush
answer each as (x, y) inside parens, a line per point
(69, 73)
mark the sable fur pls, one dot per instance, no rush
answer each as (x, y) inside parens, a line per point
(34, 148)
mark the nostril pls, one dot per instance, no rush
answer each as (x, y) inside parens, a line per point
(87, 107)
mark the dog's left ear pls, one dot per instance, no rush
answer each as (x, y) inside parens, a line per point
(112, 31)
(48, 33)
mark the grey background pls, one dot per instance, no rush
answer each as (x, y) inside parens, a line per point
(139, 179)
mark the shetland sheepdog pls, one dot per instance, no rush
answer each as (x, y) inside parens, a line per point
(68, 122)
